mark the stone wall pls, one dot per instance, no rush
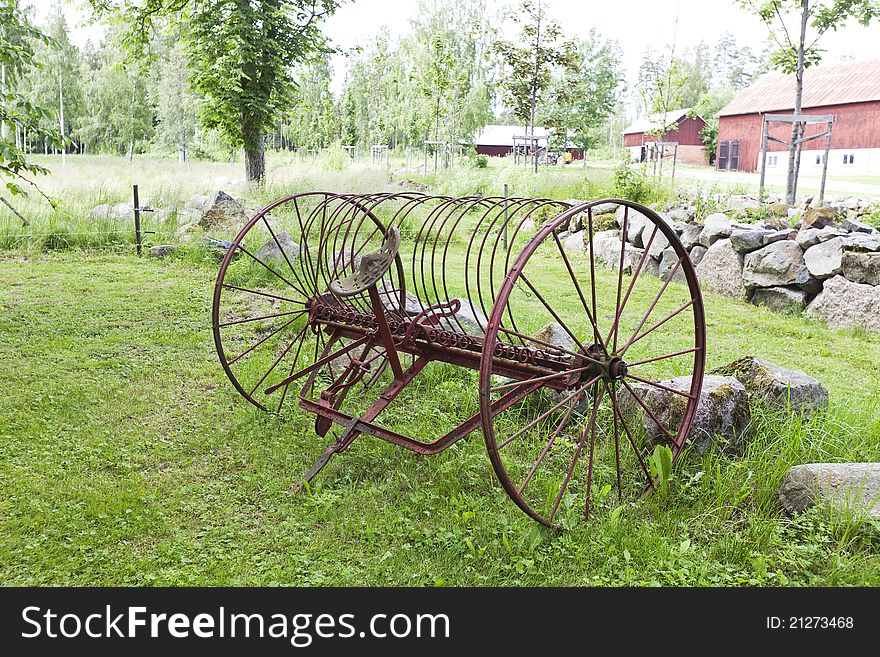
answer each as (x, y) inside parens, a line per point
(824, 261)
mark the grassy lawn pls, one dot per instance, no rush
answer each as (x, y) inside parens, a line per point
(128, 459)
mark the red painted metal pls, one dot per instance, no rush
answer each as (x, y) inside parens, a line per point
(401, 281)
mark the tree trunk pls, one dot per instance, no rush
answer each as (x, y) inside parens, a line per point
(254, 155)
(61, 117)
(797, 129)
(3, 92)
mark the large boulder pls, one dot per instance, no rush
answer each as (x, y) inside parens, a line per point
(690, 235)
(862, 267)
(697, 254)
(852, 225)
(468, 320)
(781, 299)
(720, 270)
(746, 240)
(723, 410)
(275, 251)
(223, 211)
(808, 237)
(847, 487)
(775, 386)
(606, 247)
(389, 295)
(819, 217)
(826, 259)
(574, 242)
(636, 223)
(716, 227)
(773, 265)
(843, 304)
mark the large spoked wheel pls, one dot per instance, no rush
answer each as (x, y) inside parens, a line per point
(277, 266)
(607, 291)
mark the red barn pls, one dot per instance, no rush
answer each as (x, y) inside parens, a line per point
(641, 135)
(849, 91)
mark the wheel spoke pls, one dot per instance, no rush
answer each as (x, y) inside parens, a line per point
(579, 291)
(592, 264)
(612, 393)
(256, 319)
(620, 276)
(293, 367)
(664, 356)
(653, 304)
(271, 270)
(319, 363)
(284, 254)
(629, 289)
(632, 442)
(540, 378)
(577, 454)
(263, 294)
(552, 312)
(650, 413)
(661, 386)
(546, 413)
(278, 360)
(658, 324)
(547, 447)
(261, 341)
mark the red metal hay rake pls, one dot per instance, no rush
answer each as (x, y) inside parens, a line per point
(344, 304)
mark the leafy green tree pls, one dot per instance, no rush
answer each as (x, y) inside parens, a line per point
(529, 63)
(17, 112)
(583, 95)
(242, 55)
(797, 27)
(177, 106)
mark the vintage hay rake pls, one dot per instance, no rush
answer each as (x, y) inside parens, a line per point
(361, 301)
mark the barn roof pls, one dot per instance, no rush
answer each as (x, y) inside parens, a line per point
(502, 135)
(836, 84)
(654, 123)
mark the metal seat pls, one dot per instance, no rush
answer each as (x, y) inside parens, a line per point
(373, 267)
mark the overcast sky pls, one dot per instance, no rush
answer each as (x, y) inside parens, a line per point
(635, 24)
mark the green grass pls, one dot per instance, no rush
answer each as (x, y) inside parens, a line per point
(128, 459)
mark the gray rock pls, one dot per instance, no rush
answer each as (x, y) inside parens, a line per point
(843, 304)
(777, 387)
(631, 257)
(605, 208)
(825, 260)
(217, 197)
(667, 262)
(773, 265)
(847, 487)
(554, 334)
(860, 242)
(271, 251)
(781, 299)
(679, 214)
(161, 251)
(690, 235)
(225, 212)
(390, 297)
(819, 217)
(807, 282)
(779, 235)
(575, 242)
(862, 267)
(807, 237)
(468, 320)
(745, 240)
(855, 226)
(606, 248)
(659, 243)
(218, 247)
(723, 410)
(117, 212)
(720, 270)
(651, 266)
(716, 227)
(636, 223)
(697, 254)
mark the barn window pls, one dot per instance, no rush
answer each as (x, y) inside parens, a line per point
(771, 160)
(848, 158)
(818, 159)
